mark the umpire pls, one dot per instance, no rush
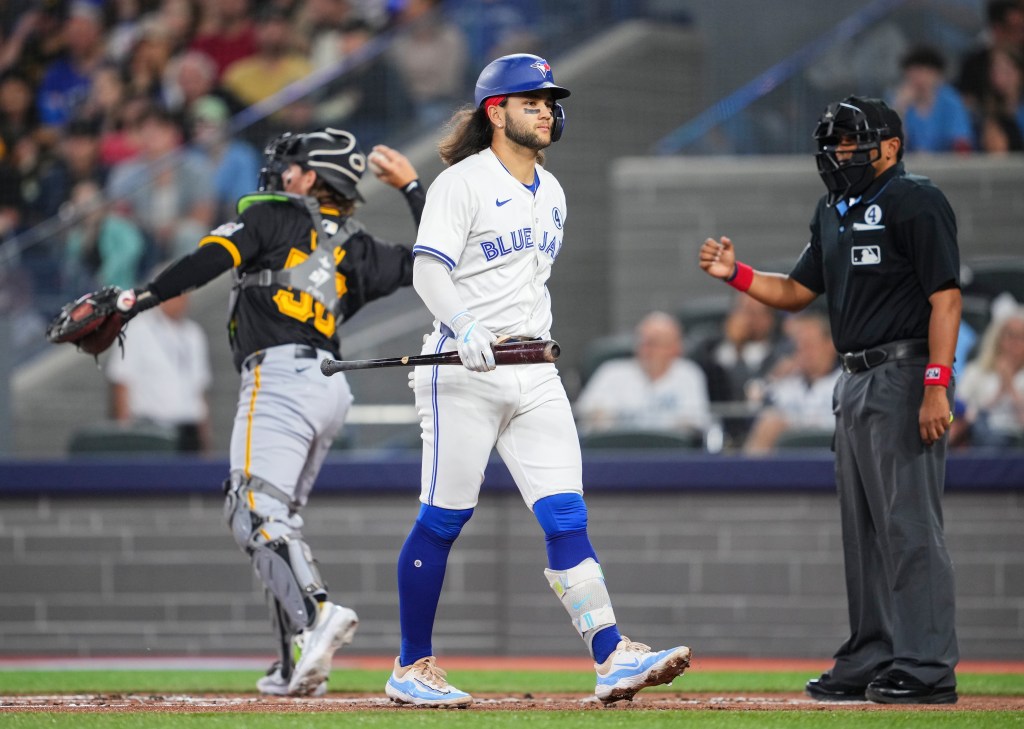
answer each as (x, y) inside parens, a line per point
(883, 249)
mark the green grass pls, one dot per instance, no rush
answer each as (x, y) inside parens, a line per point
(361, 681)
(29, 682)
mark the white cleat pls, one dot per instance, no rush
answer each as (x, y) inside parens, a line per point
(334, 627)
(634, 666)
(424, 684)
(274, 684)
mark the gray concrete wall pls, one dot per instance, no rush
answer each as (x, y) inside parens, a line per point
(664, 208)
(737, 573)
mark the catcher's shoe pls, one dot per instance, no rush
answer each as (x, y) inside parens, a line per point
(274, 684)
(334, 627)
(633, 666)
(424, 684)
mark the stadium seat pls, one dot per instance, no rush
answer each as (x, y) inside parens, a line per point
(805, 438)
(702, 318)
(113, 437)
(641, 439)
(602, 349)
(989, 278)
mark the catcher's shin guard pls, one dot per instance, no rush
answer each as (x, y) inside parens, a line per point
(264, 527)
(585, 597)
(284, 634)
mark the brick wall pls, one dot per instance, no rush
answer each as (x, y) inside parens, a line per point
(738, 573)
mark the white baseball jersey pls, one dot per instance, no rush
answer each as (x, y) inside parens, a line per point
(498, 239)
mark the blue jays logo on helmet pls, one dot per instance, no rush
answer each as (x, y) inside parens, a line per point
(516, 74)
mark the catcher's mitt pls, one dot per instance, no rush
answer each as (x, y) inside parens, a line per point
(91, 322)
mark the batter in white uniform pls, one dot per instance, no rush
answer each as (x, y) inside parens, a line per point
(491, 230)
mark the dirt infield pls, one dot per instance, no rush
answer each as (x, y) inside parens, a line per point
(346, 702)
(96, 703)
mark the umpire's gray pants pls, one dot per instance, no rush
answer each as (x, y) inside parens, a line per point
(899, 577)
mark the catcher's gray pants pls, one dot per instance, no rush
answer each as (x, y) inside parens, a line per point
(899, 577)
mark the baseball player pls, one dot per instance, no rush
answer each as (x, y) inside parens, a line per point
(302, 265)
(883, 249)
(492, 228)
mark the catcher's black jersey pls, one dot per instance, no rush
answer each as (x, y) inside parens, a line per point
(278, 234)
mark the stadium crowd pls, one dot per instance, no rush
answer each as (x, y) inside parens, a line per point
(116, 119)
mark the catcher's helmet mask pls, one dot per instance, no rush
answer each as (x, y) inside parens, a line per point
(334, 155)
(864, 123)
(517, 74)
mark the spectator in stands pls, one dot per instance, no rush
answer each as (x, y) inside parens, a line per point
(432, 55)
(11, 202)
(191, 76)
(736, 362)
(656, 389)
(123, 20)
(76, 159)
(107, 95)
(934, 117)
(179, 19)
(275, 64)
(802, 397)
(34, 39)
(67, 79)
(992, 387)
(147, 60)
(1001, 122)
(120, 141)
(102, 247)
(236, 163)
(496, 28)
(321, 23)
(164, 375)
(17, 111)
(1005, 30)
(227, 33)
(371, 99)
(32, 162)
(166, 190)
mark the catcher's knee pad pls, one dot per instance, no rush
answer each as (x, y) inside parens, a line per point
(264, 526)
(585, 597)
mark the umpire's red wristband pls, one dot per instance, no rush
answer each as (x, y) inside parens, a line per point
(937, 374)
(741, 278)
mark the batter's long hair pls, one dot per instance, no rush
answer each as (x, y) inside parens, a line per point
(468, 131)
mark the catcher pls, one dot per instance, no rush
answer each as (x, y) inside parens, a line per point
(301, 266)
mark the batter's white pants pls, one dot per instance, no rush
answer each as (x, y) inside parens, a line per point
(520, 409)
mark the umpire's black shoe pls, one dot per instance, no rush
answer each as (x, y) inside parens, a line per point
(899, 687)
(826, 688)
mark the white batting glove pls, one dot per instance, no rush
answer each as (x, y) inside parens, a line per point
(474, 341)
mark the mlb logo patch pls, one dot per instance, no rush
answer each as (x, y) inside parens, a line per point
(866, 255)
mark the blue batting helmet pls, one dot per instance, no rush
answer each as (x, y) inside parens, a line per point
(516, 74)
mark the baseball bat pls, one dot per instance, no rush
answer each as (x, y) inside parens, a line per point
(505, 353)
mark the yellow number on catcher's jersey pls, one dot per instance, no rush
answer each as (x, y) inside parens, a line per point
(301, 305)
